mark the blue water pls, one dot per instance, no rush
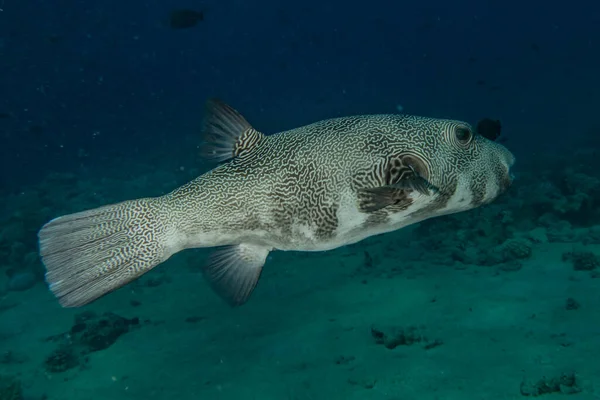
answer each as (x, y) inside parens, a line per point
(103, 101)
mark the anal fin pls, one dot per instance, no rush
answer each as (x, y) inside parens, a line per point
(233, 271)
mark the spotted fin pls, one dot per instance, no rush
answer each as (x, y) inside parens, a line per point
(227, 134)
(233, 271)
(398, 194)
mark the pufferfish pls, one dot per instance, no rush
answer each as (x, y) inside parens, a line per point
(314, 188)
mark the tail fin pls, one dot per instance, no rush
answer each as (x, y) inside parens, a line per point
(91, 253)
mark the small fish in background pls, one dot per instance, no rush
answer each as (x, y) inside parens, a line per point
(54, 38)
(185, 18)
(490, 129)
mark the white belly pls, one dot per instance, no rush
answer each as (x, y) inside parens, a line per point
(352, 226)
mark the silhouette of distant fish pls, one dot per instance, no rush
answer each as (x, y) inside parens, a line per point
(183, 19)
(489, 128)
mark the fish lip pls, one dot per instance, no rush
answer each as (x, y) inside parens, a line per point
(508, 182)
(512, 160)
(509, 161)
(510, 172)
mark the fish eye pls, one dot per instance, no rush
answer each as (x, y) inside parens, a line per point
(463, 135)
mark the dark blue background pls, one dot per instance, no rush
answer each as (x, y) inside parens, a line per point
(95, 86)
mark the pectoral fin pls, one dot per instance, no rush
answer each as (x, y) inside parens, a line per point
(398, 194)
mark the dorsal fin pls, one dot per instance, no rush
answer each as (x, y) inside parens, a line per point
(227, 134)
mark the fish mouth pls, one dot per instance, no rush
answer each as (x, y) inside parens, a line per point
(508, 160)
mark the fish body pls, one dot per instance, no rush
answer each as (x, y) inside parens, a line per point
(313, 188)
